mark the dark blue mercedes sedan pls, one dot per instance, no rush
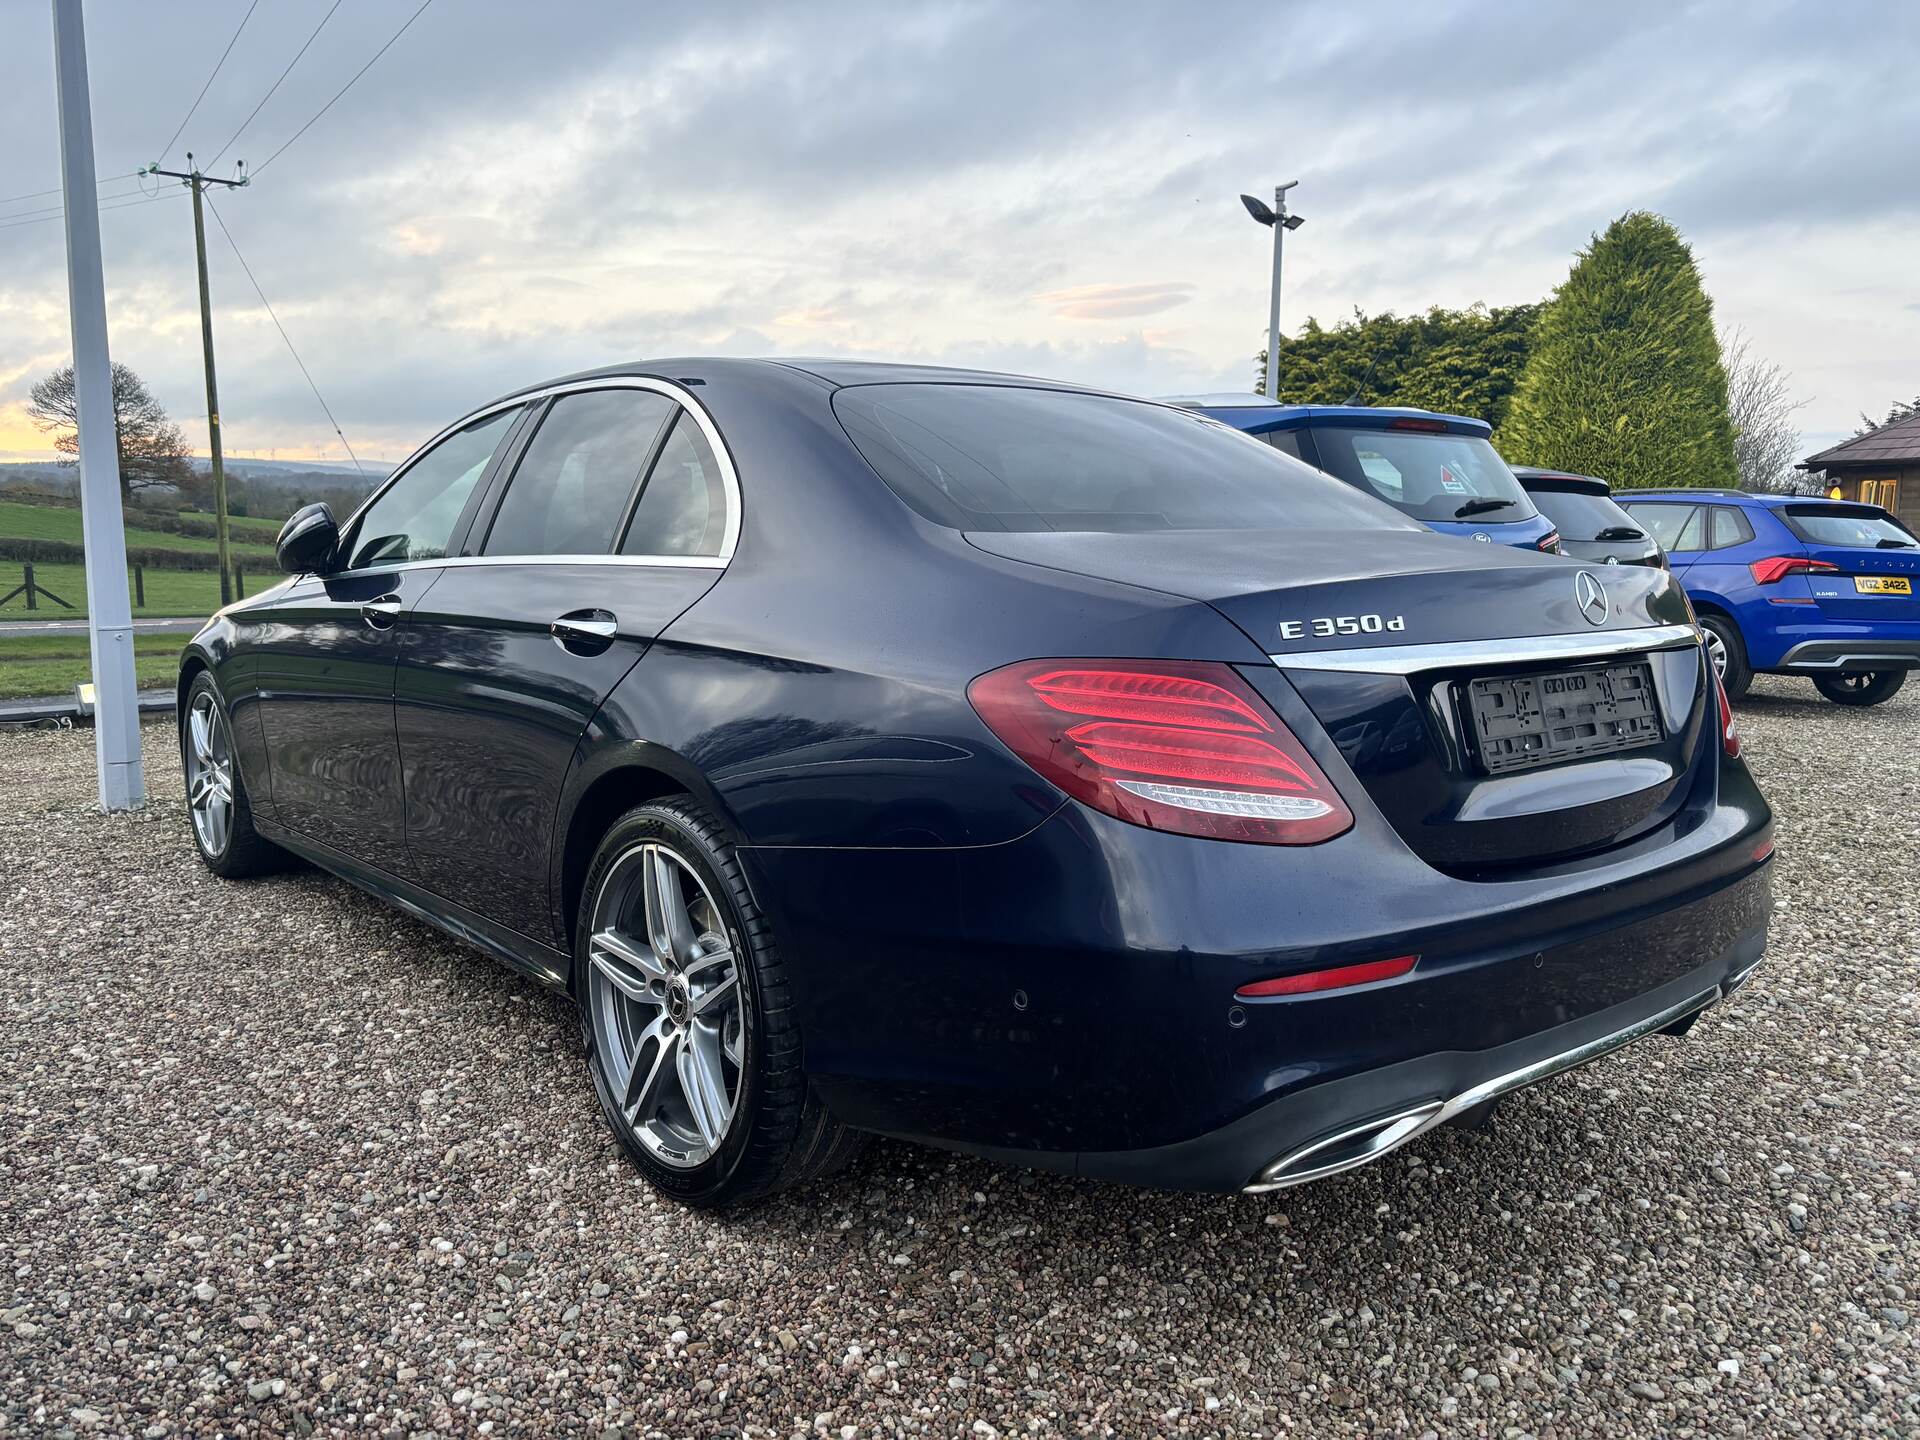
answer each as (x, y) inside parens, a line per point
(1042, 773)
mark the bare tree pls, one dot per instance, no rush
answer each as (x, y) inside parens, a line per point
(1766, 442)
(152, 449)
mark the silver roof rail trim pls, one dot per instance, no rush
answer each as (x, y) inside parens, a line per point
(1521, 650)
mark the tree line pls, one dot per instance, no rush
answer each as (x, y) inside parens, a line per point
(1619, 373)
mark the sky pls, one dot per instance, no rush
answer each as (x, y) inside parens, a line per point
(517, 191)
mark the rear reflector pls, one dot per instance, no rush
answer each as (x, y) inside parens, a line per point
(1763, 850)
(1776, 568)
(1729, 732)
(1338, 978)
(1176, 745)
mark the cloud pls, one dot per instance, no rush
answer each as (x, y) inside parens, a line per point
(996, 183)
(1112, 302)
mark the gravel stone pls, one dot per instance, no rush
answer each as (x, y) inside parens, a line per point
(268, 1150)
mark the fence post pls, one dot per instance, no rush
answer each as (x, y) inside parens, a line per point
(239, 583)
(33, 602)
(140, 586)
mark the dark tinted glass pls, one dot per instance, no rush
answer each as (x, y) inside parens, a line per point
(1579, 515)
(1843, 525)
(1730, 528)
(990, 457)
(683, 509)
(1287, 442)
(414, 517)
(1667, 522)
(1428, 475)
(570, 490)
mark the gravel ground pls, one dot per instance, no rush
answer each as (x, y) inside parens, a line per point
(277, 1159)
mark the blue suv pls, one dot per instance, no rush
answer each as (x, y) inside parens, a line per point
(1792, 585)
(1440, 469)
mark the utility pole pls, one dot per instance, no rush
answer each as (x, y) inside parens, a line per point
(116, 704)
(1280, 222)
(199, 182)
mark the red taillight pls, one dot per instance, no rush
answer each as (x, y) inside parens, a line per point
(1550, 542)
(1438, 427)
(1729, 732)
(1173, 745)
(1337, 978)
(1776, 568)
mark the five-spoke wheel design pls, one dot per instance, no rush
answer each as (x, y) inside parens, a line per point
(668, 1009)
(209, 756)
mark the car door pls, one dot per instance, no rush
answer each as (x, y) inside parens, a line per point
(325, 649)
(615, 517)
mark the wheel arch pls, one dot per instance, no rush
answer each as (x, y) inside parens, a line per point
(615, 785)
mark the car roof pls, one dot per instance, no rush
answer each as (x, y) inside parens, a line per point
(1726, 497)
(833, 373)
(1256, 414)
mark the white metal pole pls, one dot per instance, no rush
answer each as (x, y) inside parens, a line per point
(116, 709)
(1273, 297)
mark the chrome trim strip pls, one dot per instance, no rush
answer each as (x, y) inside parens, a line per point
(1894, 659)
(729, 477)
(1397, 1130)
(1522, 649)
(670, 562)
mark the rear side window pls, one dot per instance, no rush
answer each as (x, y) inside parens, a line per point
(683, 508)
(1846, 525)
(1287, 442)
(1001, 457)
(1730, 528)
(1670, 524)
(571, 488)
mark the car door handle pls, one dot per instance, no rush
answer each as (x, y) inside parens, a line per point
(585, 632)
(381, 612)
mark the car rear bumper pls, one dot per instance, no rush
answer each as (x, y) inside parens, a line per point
(1865, 652)
(1068, 1000)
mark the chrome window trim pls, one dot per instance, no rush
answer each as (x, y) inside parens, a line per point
(1521, 650)
(653, 562)
(729, 478)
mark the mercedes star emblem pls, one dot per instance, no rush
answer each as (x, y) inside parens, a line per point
(1590, 597)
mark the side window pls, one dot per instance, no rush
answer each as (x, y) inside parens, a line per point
(571, 486)
(683, 507)
(1287, 441)
(1669, 524)
(1730, 528)
(414, 518)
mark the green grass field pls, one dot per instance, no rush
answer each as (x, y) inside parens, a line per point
(247, 540)
(32, 665)
(189, 593)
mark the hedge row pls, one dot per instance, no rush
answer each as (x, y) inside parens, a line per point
(60, 552)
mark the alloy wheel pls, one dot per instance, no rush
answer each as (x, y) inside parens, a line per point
(209, 774)
(669, 1011)
(1717, 652)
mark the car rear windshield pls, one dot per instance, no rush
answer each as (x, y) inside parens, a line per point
(1867, 528)
(1425, 474)
(998, 457)
(1583, 516)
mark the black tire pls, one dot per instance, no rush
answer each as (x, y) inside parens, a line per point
(779, 1134)
(1737, 677)
(238, 852)
(1861, 687)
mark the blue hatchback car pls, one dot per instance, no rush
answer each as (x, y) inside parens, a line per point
(1441, 470)
(1793, 585)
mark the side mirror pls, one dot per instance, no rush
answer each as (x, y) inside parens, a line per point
(307, 540)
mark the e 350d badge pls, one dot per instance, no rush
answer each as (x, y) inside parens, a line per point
(1322, 626)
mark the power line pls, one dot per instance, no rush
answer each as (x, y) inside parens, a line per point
(209, 85)
(125, 204)
(283, 329)
(346, 87)
(48, 211)
(276, 84)
(35, 195)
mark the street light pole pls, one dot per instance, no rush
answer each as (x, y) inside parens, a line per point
(116, 703)
(1280, 228)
